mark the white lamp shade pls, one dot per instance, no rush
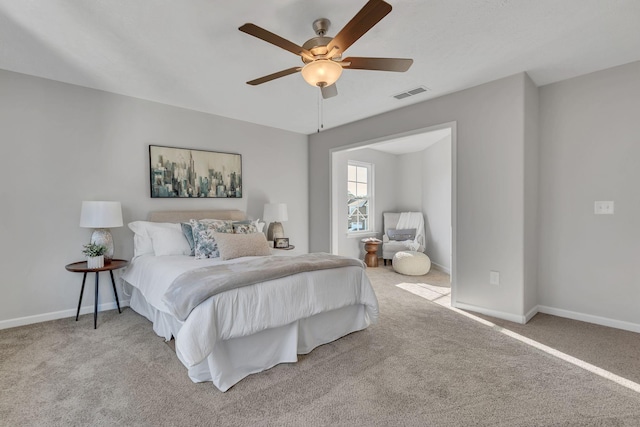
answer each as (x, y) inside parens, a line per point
(101, 215)
(321, 72)
(275, 212)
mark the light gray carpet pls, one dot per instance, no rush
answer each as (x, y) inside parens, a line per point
(421, 365)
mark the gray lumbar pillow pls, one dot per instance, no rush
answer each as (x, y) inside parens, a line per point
(401, 235)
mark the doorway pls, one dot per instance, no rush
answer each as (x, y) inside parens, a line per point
(414, 171)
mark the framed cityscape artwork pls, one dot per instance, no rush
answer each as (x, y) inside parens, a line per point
(183, 172)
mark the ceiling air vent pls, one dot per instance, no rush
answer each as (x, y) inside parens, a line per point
(411, 92)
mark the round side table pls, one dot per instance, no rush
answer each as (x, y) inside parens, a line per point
(81, 267)
(371, 258)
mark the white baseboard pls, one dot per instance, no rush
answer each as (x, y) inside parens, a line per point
(516, 318)
(441, 268)
(530, 314)
(28, 320)
(589, 318)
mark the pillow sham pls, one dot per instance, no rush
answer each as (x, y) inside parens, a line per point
(401, 235)
(203, 236)
(233, 246)
(142, 243)
(259, 225)
(187, 230)
(244, 228)
(168, 240)
(166, 244)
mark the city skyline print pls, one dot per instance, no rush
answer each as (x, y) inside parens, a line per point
(190, 173)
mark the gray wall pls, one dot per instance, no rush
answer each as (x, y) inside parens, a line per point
(411, 176)
(590, 150)
(385, 188)
(425, 186)
(490, 184)
(62, 144)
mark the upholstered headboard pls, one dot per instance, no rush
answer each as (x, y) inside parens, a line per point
(182, 216)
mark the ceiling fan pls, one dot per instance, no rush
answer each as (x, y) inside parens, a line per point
(322, 55)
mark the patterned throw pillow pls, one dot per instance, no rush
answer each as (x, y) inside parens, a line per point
(203, 236)
(244, 228)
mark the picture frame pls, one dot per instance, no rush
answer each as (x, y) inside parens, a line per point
(191, 173)
(281, 242)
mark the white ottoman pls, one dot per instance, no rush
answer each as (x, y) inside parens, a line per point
(411, 263)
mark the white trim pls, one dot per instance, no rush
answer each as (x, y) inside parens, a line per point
(360, 234)
(589, 318)
(530, 314)
(441, 268)
(38, 318)
(493, 313)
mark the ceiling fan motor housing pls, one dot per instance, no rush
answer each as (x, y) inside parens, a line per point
(317, 46)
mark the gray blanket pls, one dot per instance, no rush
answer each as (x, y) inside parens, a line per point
(193, 287)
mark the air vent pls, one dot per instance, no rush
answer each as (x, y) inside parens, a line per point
(411, 92)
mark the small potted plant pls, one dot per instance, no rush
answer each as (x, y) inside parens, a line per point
(95, 255)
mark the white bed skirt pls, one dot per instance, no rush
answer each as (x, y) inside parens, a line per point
(235, 358)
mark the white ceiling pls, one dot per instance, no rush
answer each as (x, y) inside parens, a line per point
(189, 53)
(412, 143)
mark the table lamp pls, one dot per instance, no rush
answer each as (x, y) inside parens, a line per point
(275, 213)
(101, 216)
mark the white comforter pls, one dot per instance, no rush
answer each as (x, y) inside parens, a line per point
(247, 310)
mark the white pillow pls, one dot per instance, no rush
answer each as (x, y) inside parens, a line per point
(166, 242)
(233, 246)
(142, 243)
(259, 225)
(168, 239)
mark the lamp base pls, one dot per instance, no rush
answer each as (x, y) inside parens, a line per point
(275, 230)
(102, 236)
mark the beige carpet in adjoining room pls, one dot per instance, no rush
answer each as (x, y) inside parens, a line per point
(422, 364)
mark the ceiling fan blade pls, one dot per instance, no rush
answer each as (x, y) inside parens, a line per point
(379, 64)
(329, 91)
(274, 76)
(365, 19)
(275, 39)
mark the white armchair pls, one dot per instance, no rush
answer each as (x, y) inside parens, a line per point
(402, 232)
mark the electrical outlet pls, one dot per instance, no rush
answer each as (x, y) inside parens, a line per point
(494, 278)
(603, 208)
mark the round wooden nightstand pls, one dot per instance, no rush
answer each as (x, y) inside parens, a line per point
(81, 267)
(371, 246)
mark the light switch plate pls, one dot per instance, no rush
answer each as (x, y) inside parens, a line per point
(494, 278)
(603, 208)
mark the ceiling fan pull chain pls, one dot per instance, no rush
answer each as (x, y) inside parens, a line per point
(320, 111)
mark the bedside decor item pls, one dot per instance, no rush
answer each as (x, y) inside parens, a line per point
(82, 267)
(371, 247)
(101, 216)
(275, 213)
(183, 173)
(95, 255)
(280, 243)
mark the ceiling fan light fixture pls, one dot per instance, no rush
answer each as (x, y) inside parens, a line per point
(321, 72)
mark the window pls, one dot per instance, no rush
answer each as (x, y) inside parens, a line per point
(359, 197)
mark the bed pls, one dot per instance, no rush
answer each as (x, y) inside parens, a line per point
(246, 329)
